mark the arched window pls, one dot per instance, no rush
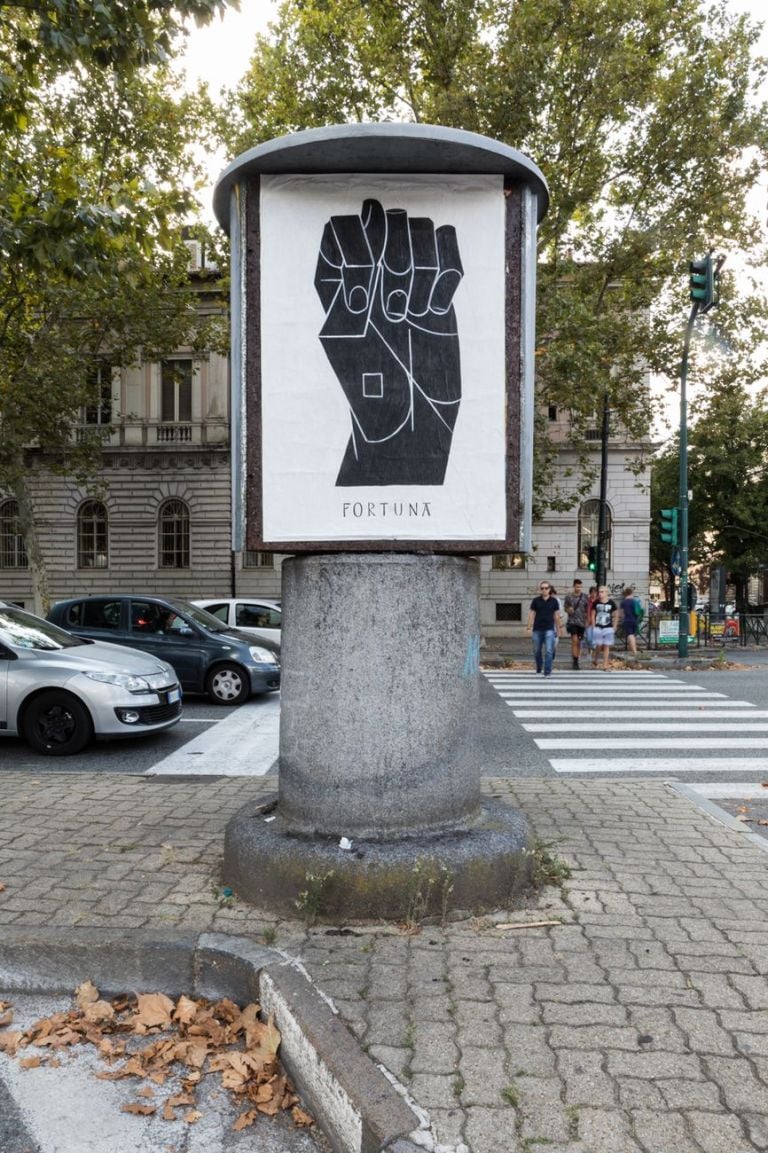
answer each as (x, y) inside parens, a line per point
(92, 550)
(13, 554)
(589, 519)
(174, 535)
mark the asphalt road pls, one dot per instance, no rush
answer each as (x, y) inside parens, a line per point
(211, 740)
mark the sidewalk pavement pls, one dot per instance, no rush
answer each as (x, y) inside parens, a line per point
(635, 1024)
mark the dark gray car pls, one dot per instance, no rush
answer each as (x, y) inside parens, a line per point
(208, 656)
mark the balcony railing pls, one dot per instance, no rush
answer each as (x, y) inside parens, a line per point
(174, 433)
(128, 433)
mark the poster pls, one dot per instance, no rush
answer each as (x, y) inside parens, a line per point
(383, 387)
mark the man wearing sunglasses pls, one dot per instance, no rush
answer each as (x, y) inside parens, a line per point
(545, 626)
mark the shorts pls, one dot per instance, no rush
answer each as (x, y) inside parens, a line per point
(575, 630)
(630, 628)
(602, 636)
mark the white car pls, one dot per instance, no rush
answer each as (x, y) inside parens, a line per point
(59, 691)
(249, 614)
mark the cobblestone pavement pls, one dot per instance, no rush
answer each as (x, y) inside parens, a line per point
(636, 1024)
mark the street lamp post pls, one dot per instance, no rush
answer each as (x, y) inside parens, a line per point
(602, 515)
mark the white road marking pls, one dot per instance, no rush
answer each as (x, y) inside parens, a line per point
(611, 743)
(633, 726)
(243, 744)
(708, 710)
(669, 765)
(738, 790)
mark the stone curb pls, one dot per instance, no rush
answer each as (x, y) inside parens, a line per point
(717, 814)
(356, 1106)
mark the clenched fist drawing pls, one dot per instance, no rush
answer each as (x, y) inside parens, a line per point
(387, 284)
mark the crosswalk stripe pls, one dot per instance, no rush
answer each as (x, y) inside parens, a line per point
(250, 735)
(718, 792)
(669, 765)
(615, 698)
(632, 726)
(709, 711)
(544, 685)
(592, 743)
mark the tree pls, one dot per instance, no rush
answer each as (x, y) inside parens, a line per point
(728, 480)
(642, 114)
(95, 164)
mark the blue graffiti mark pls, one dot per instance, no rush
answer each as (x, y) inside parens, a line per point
(472, 659)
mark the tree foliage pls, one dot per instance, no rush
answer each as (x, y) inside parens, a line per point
(643, 115)
(728, 485)
(96, 170)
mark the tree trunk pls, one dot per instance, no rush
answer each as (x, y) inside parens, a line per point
(20, 492)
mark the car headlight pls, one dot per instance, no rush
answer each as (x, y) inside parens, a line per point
(263, 656)
(122, 680)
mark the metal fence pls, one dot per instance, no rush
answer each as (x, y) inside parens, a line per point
(658, 631)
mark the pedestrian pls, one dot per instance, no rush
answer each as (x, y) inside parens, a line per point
(630, 618)
(588, 633)
(603, 620)
(576, 610)
(545, 627)
(553, 593)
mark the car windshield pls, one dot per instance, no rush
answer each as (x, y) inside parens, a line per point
(22, 630)
(200, 616)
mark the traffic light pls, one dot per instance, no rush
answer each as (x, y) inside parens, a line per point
(668, 518)
(592, 557)
(705, 278)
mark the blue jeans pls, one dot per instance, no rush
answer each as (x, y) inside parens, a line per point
(543, 639)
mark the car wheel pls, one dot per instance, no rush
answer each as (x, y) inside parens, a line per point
(228, 685)
(56, 724)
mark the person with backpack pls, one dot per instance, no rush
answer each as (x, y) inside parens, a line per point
(630, 618)
(576, 608)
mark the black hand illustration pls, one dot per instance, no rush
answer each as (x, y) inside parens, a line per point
(387, 284)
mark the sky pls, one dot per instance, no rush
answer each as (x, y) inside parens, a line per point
(219, 53)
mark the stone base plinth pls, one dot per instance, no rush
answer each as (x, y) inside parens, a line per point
(482, 866)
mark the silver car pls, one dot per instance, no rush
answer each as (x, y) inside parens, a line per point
(59, 691)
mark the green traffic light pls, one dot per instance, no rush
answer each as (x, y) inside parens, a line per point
(702, 282)
(668, 518)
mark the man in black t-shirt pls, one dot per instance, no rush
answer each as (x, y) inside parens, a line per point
(544, 625)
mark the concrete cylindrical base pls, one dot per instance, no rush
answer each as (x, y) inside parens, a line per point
(379, 695)
(410, 878)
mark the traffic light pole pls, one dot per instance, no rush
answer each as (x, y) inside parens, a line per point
(682, 635)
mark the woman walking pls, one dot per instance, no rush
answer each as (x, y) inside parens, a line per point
(603, 620)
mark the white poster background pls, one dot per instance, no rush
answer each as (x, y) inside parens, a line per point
(306, 422)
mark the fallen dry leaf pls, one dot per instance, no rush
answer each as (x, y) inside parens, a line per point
(98, 1011)
(139, 1110)
(86, 994)
(10, 1041)
(245, 1119)
(30, 1062)
(2, 886)
(192, 1117)
(6, 1016)
(186, 1010)
(154, 1012)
